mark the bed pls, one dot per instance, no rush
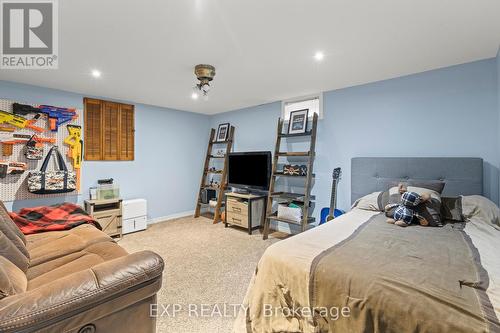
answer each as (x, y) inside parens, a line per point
(361, 274)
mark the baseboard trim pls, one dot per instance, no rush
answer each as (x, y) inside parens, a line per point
(170, 217)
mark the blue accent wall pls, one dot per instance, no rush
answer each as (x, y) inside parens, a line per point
(445, 112)
(169, 150)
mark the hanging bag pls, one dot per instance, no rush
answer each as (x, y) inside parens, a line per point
(49, 182)
(32, 151)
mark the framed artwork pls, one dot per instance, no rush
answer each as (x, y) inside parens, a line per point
(222, 132)
(298, 121)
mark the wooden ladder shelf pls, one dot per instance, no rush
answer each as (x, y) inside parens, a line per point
(302, 198)
(223, 173)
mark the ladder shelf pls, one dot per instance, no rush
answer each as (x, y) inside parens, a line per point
(220, 190)
(306, 197)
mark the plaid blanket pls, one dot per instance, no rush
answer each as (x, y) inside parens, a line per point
(51, 218)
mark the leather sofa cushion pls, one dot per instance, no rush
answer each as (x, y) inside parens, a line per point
(5, 213)
(123, 279)
(12, 279)
(47, 246)
(89, 257)
(12, 253)
(10, 229)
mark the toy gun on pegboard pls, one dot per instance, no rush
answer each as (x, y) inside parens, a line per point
(18, 121)
(56, 115)
(75, 143)
(9, 140)
(11, 168)
(7, 128)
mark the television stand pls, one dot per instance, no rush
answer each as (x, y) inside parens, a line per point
(245, 210)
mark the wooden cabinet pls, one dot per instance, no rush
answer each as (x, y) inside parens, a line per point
(245, 210)
(108, 213)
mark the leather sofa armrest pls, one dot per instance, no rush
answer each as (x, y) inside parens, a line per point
(79, 290)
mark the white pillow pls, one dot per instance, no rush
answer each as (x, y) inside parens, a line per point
(370, 202)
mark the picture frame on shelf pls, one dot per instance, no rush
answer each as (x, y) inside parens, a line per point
(298, 121)
(222, 132)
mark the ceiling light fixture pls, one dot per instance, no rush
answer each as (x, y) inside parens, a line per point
(318, 56)
(96, 73)
(194, 95)
(204, 74)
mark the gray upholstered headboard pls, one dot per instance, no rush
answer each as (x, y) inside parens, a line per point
(463, 175)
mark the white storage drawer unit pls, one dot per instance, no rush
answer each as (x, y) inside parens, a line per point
(135, 214)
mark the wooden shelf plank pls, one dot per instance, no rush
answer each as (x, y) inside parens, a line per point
(294, 153)
(276, 218)
(220, 142)
(281, 174)
(215, 172)
(213, 156)
(210, 187)
(285, 135)
(207, 204)
(291, 196)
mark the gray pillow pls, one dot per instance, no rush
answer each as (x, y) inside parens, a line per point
(431, 211)
(451, 209)
(434, 185)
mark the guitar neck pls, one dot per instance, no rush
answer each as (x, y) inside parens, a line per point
(333, 199)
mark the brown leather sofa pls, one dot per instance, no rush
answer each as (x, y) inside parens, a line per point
(78, 280)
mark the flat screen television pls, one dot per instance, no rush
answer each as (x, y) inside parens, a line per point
(249, 170)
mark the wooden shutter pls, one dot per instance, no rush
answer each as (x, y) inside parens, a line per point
(111, 119)
(93, 129)
(109, 131)
(127, 132)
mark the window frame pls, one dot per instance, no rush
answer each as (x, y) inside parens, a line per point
(284, 103)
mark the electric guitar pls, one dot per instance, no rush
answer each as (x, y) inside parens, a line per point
(329, 213)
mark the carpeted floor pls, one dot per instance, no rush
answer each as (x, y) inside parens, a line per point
(207, 266)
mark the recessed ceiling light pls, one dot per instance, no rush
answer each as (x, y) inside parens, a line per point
(194, 95)
(318, 56)
(96, 73)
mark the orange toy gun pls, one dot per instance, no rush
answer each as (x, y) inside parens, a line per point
(18, 121)
(6, 128)
(8, 141)
(11, 168)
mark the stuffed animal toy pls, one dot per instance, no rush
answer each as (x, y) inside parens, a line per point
(404, 213)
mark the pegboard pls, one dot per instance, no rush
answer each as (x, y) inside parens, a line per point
(15, 187)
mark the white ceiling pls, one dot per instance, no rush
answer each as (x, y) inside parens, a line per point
(263, 50)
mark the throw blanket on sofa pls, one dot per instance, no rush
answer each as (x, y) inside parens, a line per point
(51, 218)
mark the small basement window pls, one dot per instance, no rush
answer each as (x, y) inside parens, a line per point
(314, 103)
